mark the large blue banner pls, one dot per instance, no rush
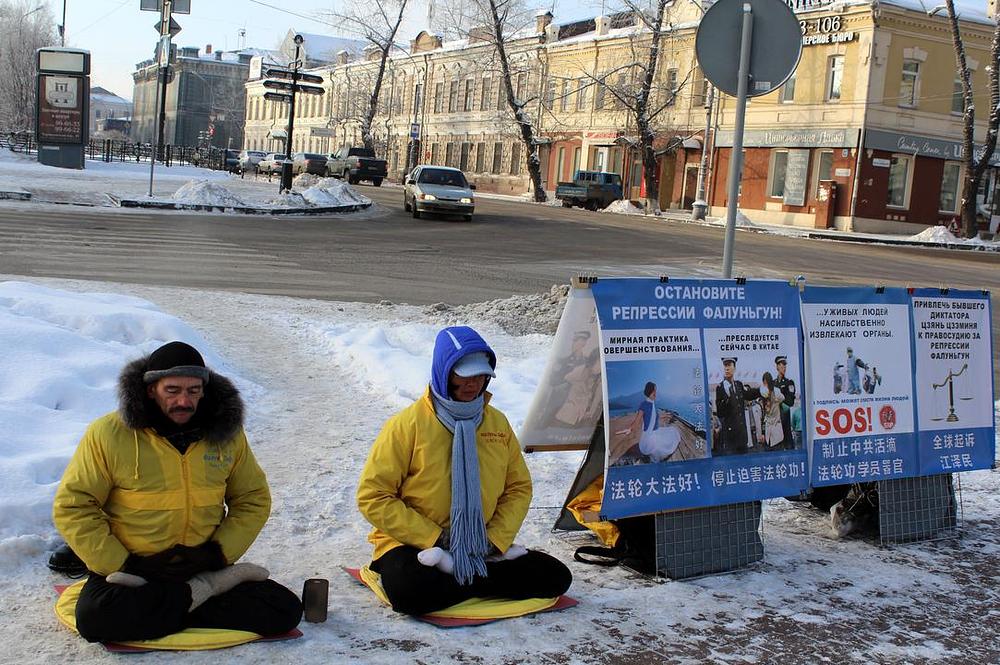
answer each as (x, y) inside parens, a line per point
(861, 406)
(702, 388)
(953, 352)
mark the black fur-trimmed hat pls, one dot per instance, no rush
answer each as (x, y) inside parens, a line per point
(175, 359)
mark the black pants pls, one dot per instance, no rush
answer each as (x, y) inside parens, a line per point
(414, 588)
(114, 613)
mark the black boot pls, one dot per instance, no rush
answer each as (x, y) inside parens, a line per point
(64, 560)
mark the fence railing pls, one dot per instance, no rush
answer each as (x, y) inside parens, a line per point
(118, 150)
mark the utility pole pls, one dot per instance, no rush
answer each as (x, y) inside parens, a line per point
(62, 27)
(700, 206)
(167, 28)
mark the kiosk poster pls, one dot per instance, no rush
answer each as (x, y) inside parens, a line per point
(701, 382)
(860, 373)
(60, 109)
(954, 359)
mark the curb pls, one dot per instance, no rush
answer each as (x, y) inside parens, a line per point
(15, 195)
(246, 210)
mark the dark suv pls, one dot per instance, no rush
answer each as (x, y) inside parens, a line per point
(309, 162)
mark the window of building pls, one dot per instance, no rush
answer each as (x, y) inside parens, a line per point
(480, 158)
(501, 95)
(515, 159)
(908, 85)
(484, 97)
(560, 165)
(449, 154)
(671, 91)
(520, 85)
(438, 97)
(787, 94)
(452, 96)
(564, 96)
(435, 153)
(550, 93)
(957, 98)
(581, 98)
(470, 90)
(622, 91)
(950, 180)
(823, 169)
(776, 174)
(463, 162)
(576, 160)
(834, 77)
(899, 182)
(599, 93)
(497, 157)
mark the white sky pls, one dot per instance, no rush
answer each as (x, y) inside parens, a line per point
(119, 35)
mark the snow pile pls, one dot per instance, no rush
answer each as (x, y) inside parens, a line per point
(288, 200)
(304, 180)
(205, 192)
(59, 369)
(935, 234)
(624, 207)
(517, 315)
(333, 192)
(743, 220)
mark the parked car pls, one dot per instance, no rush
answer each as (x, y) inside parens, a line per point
(231, 160)
(593, 190)
(308, 162)
(249, 160)
(271, 163)
(357, 164)
(438, 189)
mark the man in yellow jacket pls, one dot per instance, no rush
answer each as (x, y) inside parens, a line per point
(446, 488)
(160, 499)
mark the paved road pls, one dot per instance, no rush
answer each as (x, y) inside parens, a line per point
(509, 248)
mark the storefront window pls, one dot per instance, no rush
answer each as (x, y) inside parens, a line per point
(779, 162)
(949, 187)
(898, 179)
(824, 167)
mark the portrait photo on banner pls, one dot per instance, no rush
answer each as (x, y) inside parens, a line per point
(754, 390)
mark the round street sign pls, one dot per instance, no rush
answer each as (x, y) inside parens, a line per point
(777, 45)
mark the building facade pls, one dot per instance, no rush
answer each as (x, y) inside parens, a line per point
(106, 105)
(865, 135)
(205, 100)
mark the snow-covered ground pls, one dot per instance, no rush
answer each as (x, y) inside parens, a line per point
(319, 379)
(179, 184)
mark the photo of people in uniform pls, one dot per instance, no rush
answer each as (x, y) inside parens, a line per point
(754, 413)
(656, 411)
(853, 375)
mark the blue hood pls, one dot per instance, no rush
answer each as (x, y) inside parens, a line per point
(453, 344)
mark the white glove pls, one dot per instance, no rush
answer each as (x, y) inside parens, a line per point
(438, 558)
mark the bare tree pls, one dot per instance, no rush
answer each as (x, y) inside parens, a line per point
(975, 167)
(24, 27)
(377, 21)
(498, 23)
(637, 86)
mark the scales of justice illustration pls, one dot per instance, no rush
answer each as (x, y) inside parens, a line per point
(949, 383)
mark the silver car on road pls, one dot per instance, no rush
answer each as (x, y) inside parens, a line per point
(438, 189)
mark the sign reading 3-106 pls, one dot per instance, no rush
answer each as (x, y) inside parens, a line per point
(821, 24)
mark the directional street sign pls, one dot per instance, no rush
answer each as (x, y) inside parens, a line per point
(279, 73)
(277, 97)
(278, 85)
(176, 7)
(309, 89)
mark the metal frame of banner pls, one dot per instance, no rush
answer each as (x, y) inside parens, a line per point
(919, 509)
(708, 541)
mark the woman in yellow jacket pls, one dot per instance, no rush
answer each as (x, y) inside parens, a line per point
(160, 498)
(446, 488)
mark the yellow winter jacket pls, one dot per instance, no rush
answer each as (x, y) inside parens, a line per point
(405, 486)
(130, 491)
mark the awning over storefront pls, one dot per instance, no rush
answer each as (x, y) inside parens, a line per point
(920, 146)
(278, 134)
(791, 138)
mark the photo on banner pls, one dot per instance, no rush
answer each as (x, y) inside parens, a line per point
(953, 352)
(686, 427)
(860, 375)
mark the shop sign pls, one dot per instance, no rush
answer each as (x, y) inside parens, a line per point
(795, 177)
(920, 146)
(791, 138)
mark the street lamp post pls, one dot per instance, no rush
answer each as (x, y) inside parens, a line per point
(700, 206)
